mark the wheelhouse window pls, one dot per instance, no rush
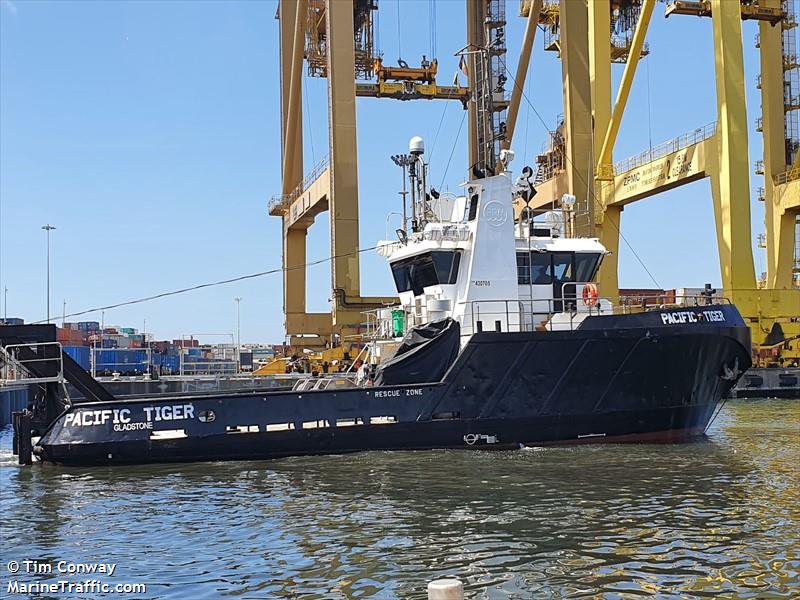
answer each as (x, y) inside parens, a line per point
(562, 266)
(438, 267)
(585, 265)
(540, 268)
(543, 268)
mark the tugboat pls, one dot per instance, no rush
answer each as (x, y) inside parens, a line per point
(500, 340)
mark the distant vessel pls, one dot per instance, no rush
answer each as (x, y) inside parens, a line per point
(500, 340)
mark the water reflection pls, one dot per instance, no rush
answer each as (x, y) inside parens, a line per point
(714, 518)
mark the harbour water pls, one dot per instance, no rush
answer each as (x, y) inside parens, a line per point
(714, 518)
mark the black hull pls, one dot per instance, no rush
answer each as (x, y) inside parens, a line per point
(685, 424)
(621, 378)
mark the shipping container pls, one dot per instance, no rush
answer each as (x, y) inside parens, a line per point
(125, 362)
(80, 354)
(14, 321)
(186, 343)
(170, 364)
(70, 337)
(91, 326)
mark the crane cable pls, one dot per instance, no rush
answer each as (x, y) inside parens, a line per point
(378, 32)
(590, 189)
(399, 47)
(308, 119)
(432, 28)
(453, 149)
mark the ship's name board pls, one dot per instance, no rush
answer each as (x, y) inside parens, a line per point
(122, 419)
(690, 316)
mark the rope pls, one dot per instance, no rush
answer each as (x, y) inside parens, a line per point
(210, 285)
(716, 414)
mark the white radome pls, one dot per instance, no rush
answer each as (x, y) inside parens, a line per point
(416, 145)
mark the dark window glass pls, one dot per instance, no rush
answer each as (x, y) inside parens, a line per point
(402, 275)
(423, 274)
(540, 268)
(473, 207)
(446, 265)
(562, 267)
(431, 268)
(523, 268)
(585, 266)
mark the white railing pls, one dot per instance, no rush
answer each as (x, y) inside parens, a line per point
(537, 314)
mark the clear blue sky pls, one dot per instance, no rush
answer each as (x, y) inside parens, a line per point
(148, 133)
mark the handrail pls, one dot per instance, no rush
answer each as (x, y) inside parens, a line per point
(674, 145)
(529, 313)
(787, 176)
(18, 361)
(283, 201)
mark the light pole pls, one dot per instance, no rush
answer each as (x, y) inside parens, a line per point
(238, 337)
(48, 228)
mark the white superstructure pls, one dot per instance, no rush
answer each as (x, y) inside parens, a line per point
(467, 258)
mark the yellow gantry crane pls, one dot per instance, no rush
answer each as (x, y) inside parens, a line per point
(334, 39)
(616, 33)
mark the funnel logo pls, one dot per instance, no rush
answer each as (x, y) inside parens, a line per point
(495, 213)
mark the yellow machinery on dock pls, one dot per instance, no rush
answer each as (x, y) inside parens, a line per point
(338, 359)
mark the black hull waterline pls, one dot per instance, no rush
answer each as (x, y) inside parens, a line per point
(637, 377)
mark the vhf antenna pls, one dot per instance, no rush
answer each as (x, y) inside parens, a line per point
(403, 161)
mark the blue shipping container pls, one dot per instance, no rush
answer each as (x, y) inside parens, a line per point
(170, 364)
(80, 354)
(127, 362)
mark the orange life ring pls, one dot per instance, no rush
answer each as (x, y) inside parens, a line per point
(590, 294)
